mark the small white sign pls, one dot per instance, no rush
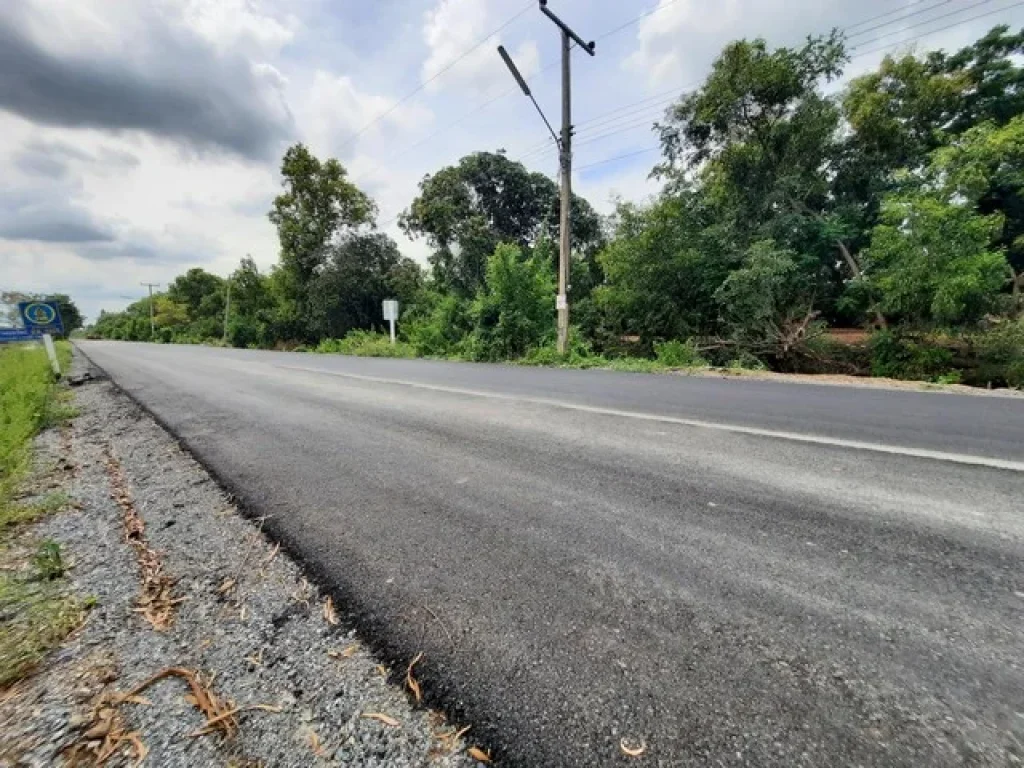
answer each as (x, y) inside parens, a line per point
(390, 309)
(561, 302)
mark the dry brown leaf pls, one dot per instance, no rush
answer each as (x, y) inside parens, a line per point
(141, 700)
(381, 717)
(314, 743)
(330, 615)
(478, 754)
(345, 653)
(411, 682)
(141, 750)
(632, 751)
(273, 554)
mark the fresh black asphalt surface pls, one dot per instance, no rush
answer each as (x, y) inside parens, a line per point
(587, 557)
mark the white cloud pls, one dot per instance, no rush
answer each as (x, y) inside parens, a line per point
(452, 28)
(230, 24)
(334, 109)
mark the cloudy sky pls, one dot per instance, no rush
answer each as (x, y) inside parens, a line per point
(142, 137)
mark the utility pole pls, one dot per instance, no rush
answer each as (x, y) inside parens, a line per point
(227, 310)
(565, 164)
(152, 321)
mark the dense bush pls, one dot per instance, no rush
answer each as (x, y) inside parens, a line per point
(900, 356)
(1000, 355)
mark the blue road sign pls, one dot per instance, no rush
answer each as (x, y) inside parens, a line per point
(15, 335)
(41, 317)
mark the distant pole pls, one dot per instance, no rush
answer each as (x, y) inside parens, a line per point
(565, 218)
(227, 311)
(152, 319)
(565, 163)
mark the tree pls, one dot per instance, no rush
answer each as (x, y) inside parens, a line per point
(931, 261)
(767, 305)
(661, 270)
(318, 206)
(359, 273)
(985, 166)
(70, 316)
(758, 142)
(466, 210)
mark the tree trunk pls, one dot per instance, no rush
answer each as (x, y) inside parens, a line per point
(857, 273)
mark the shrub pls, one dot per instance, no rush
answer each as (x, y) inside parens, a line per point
(366, 344)
(514, 312)
(1000, 355)
(897, 356)
(679, 354)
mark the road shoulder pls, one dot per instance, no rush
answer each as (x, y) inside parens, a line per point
(204, 643)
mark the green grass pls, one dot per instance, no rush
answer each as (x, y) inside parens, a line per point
(38, 615)
(26, 395)
(366, 344)
(37, 612)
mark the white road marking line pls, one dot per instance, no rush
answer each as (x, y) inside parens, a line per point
(837, 442)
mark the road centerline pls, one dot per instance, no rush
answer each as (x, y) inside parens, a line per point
(921, 453)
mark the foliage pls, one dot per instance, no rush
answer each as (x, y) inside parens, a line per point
(930, 262)
(679, 354)
(366, 344)
(26, 391)
(357, 275)
(466, 210)
(662, 268)
(513, 311)
(1000, 355)
(893, 202)
(898, 356)
(438, 324)
(767, 305)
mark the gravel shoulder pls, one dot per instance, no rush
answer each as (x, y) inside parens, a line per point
(179, 580)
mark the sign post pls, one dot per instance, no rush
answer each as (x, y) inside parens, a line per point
(391, 315)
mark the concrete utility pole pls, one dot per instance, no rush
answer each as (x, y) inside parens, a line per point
(152, 321)
(227, 310)
(565, 164)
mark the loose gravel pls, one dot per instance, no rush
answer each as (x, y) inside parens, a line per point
(248, 622)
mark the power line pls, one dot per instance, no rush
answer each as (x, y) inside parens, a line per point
(900, 9)
(859, 55)
(901, 18)
(936, 18)
(648, 150)
(435, 76)
(635, 19)
(940, 29)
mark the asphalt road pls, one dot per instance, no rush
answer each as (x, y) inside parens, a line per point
(724, 572)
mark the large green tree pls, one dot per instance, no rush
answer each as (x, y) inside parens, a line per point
(318, 206)
(758, 141)
(360, 272)
(466, 210)
(662, 268)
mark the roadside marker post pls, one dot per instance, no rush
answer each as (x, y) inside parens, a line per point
(51, 352)
(391, 315)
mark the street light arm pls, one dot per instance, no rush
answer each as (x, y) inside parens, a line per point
(588, 47)
(526, 89)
